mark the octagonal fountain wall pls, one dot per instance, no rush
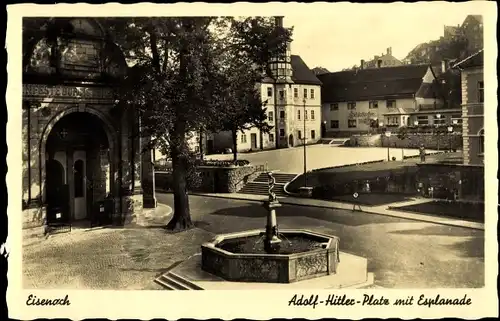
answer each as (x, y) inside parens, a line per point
(319, 258)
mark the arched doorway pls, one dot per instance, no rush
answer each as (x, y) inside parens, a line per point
(290, 140)
(80, 145)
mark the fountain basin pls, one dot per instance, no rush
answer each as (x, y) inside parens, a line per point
(318, 258)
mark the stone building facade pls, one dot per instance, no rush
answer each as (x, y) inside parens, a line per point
(79, 146)
(472, 75)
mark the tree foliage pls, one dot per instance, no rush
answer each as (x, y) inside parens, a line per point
(193, 74)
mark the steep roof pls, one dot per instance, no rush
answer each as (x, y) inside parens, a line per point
(378, 83)
(301, 72)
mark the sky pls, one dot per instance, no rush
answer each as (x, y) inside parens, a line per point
(339, 38)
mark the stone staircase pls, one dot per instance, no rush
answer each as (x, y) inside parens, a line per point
(333, 141)
(259, 185)
(174, 282)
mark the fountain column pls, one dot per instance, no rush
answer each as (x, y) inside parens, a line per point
(271, 241)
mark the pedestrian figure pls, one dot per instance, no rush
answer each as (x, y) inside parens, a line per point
(431, 192)
(367, 186)
(422, 153)
(356, 195)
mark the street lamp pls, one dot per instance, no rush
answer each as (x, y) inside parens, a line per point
(388, 134)
(438, 116)
(305, 157)
(450, 130)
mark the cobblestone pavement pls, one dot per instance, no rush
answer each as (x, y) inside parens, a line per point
(401, 253)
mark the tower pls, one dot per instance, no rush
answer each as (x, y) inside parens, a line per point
(281, 68)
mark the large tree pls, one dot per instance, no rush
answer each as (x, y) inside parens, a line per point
(244, 57)
(180, 83)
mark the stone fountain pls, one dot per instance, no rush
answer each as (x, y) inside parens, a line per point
(268, 256)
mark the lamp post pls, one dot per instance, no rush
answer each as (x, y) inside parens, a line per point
(388, 134)
(305, 157)
(438, 116)
(450, 132)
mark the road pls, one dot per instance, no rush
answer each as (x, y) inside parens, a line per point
(291, 160)
(401, 253)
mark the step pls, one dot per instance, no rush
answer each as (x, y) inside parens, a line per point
(190, 285)
(171, 283)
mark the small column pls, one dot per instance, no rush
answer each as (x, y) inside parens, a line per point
(71, 182)
(271, 241)
(136, 157)
(148, 177)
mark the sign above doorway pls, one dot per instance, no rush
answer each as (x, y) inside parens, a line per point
(44, 91)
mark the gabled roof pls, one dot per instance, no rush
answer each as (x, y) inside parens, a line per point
(474, 60)
(378, 83)
(301, 72)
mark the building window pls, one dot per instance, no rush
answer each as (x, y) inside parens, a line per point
(296, 92)
(456, 119)
(270, 116)
(423, 120)
(282, 114)
(439, 121)
(312, 114)
(481, 142)
(243, 138)
(298, 114)
(305, 93)
(351, 123)
(271, 137)
(334, 124)
(299, 134)
(373, 104)
(480, 91)
(312, 93)
(351, 105)
(282, 94)
(334, 106)
(392, 121)
(391, 104)
(282, 132)
(313, 134)
(269, 91)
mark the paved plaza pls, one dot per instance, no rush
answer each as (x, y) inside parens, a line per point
(291, 160)
(401, 253)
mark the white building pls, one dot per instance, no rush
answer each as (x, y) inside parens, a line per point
(355, 101)
(293, 101)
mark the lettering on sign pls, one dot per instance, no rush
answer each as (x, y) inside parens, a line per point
(66, 92)
(361, 114)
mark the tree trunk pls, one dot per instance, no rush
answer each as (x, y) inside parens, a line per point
(235, 144)
(261, 140)
(200, 143)
(181, 219)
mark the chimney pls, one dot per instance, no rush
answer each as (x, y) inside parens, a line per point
(389, 51)
(362, 65)
(444, 66)
(278, 21)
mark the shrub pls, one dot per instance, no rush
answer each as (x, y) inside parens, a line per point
(222, 163)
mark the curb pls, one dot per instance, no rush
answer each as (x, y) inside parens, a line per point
(427, 218)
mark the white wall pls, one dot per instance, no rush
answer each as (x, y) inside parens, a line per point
(361, 112)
